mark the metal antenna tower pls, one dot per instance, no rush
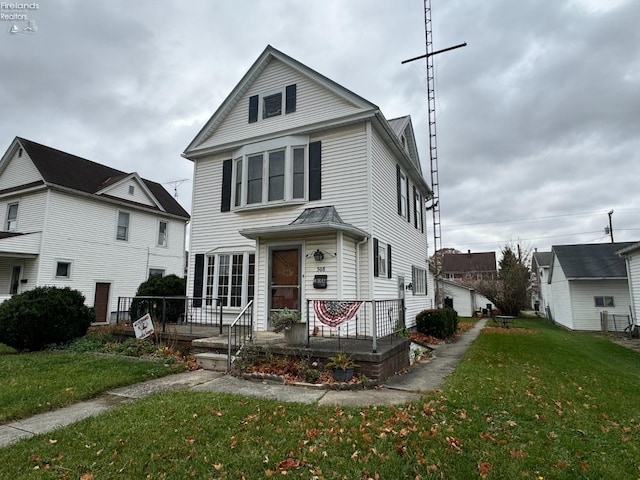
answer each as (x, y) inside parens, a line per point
(433, 146)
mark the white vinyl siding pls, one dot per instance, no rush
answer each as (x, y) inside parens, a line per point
(19, 171)
(561, 310)
(122, 190)
(586, 316)
(31, 210)
(314, 104)
(123, 264)
(634, 279)
(409, 244)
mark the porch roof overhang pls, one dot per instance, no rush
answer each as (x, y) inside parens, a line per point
(303, 230)
(22, 245)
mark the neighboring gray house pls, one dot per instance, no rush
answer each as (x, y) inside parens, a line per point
(586, 280)
(541, 292)
(71, 222)
(304, 190)
(631, 255)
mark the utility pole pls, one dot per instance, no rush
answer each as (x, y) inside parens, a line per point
(433, 150)
(610, 229)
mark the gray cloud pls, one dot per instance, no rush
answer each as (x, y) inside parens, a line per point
(537, 118)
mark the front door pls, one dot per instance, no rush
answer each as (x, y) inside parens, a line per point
(285, 279)
(101, 301)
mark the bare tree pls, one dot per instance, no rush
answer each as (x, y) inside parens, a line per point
(510, 291)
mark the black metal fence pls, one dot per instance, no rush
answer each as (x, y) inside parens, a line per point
(366, 319)
(190, 311)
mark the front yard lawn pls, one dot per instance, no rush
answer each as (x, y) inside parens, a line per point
(531, 402)
(41, 381)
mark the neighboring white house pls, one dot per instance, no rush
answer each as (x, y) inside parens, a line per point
(631, 254)
(303, 190)
(586, 280)
(71, 222)
(541, 291)
(464, 299)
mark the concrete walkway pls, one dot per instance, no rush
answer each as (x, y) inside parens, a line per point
(424, 377)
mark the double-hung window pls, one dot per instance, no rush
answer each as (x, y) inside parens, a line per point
(123, 226)
(230, 278)
(12, 217)
(270, 172)
(162, 233)
(419, 280)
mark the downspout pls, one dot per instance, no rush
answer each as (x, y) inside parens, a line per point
(630, 284)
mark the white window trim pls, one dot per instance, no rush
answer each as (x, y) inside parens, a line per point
(55, 269)
(262, 96)
(166, 234)
(6, 216)
(216, 276)
(382, 259)
(419, 272)
(128, 235)
(288, 144)
(404, 195)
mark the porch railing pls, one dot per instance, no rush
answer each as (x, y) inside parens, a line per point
(240, 332)
(374, 320)
(191, 311)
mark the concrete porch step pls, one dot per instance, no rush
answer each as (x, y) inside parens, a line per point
(212, 361)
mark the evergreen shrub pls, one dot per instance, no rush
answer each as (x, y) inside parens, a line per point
(439, 323)
(44, 316)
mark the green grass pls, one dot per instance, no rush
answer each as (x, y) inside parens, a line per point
(37, 382)
(529, 402)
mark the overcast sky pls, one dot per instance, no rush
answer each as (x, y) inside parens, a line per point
(538, 117)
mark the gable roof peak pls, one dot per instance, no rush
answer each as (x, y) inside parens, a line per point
(76, 173)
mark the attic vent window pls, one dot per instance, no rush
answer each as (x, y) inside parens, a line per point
(272, 105)
(19, 153)
(132, 189)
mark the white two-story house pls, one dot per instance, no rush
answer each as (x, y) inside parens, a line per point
(304, 190)
(71, 222)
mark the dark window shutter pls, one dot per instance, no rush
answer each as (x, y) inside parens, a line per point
(408, 201)
(416, 208)
(376, 258)
(225, 203)
(422, 217)
(398, 180)
(198, 279)
(315, 171)
(388, 261)
(290, 99)
(253, 109)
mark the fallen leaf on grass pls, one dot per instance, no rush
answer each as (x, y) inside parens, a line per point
(484, 468)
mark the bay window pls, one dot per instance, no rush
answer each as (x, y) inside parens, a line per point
(270, 172)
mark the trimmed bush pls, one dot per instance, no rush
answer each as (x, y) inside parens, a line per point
(439, 323)
(44, 316)
(158, 286)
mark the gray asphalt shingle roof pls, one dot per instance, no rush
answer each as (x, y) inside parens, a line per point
(597, 260)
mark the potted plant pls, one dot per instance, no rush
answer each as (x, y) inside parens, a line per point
(342, 365)
(289, 322)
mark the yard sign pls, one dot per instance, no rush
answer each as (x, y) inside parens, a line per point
(143, 327)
